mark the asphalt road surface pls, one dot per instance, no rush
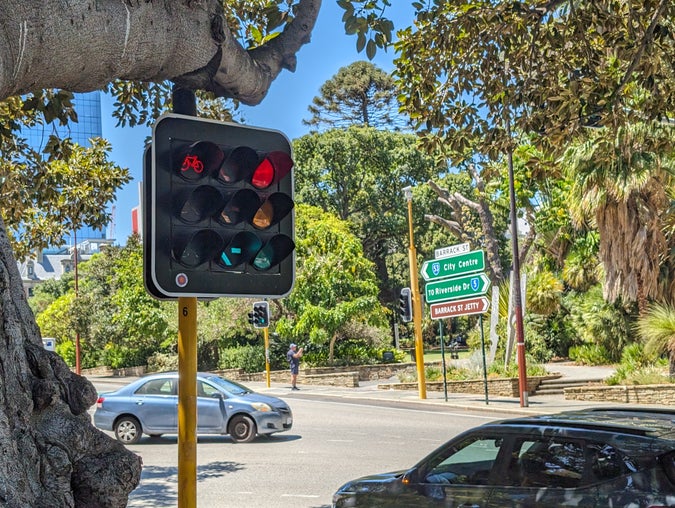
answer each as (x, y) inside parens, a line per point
(330, 443)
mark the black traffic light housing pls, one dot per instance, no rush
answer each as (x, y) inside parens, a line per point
(221, 210)
(261, 315)
(405, 305)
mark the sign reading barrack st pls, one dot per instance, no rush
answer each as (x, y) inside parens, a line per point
(455, 308)
(452, 250)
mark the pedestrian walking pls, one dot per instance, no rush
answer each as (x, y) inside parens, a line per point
(294, 354)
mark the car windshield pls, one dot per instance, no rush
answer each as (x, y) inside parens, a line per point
(229, 386)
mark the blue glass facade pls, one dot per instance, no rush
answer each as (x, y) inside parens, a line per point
(89, 125)
(88, 107)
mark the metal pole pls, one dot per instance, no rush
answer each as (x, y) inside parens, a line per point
(266, 335)
(187, 402)
(482, 345)
(416, 301)
(517, 297)
(78, 351)
(185, 102)
(445, 376)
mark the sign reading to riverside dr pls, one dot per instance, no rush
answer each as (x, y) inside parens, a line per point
(459, 287)
(461, 264)
(455, 308)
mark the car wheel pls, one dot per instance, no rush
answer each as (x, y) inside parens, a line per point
(128, 430)
(242, 429)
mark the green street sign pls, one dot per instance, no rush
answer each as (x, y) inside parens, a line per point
(442, 268)
(458, 287)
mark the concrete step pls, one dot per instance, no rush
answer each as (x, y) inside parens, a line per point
(557, 386)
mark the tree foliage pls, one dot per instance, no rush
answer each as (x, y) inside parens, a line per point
(359, 94)
(358, 174)
(335, 284)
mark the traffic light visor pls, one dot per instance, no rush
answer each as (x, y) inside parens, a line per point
(198, 248)
(239, 165)
(274, 252)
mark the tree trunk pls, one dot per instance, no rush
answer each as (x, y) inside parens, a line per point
(82, 45)
(52, 455)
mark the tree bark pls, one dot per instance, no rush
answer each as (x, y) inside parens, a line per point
(52, 454)
(82, 45)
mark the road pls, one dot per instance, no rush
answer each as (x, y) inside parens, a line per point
(331, 442)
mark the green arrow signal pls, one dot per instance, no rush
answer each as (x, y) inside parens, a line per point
(458, 287)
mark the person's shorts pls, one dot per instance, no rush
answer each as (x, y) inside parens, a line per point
(294, 370)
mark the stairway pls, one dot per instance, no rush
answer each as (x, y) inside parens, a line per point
(558, 385)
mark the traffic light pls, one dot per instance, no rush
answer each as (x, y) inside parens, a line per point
(251, 318)
(261, 315)
(221, 206)
(405, 305)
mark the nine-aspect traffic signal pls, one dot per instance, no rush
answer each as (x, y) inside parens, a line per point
(261, 314)
(405, 305)
(221, 209)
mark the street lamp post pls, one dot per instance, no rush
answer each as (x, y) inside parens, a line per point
(416, 300)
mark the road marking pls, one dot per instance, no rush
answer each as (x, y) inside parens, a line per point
(445, 413)
(307, 496)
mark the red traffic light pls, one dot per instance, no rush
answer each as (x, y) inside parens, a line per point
(272, 169)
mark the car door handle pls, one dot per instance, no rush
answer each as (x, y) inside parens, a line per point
(139, 402)
(468, 506)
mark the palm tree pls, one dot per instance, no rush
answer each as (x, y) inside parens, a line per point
(621, 184)
(657, 329)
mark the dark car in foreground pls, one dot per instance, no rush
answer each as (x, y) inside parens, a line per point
(601, 457)
(149, 405)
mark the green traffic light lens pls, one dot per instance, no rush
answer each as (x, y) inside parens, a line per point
(278, 248)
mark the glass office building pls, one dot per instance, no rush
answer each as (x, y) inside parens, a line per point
(89, 125)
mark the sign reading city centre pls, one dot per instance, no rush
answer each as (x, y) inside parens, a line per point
(443, 268)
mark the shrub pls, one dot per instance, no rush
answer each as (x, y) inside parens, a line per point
(248, 358)
(590, 354)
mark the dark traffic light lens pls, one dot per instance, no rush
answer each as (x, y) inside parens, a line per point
(198, 248)
(200, 204)
(240, 208)
(239, 165)
(200, 160)
(273, 168)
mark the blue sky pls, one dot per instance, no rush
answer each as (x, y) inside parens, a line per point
(284, 107)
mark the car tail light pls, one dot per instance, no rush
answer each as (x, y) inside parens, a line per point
(99, 402)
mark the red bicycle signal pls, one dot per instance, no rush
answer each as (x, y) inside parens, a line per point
(192, 162)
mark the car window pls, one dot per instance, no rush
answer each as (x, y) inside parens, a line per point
(546, 462)
(607, 462)
(206, 390)
(229, 386)
(157, 387)
(468, 464)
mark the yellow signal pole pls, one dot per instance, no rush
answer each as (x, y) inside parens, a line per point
(416, 301)
(187, 402)
(266, 334)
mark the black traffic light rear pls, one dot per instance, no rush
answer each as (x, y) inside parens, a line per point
(405, 305)
(261, 315)
(221, 206)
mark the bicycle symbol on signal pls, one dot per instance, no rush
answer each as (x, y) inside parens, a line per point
(192, 162)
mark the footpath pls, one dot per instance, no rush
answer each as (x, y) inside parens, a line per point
(370, 393)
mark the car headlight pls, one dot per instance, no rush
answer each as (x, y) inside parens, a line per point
(261, 406)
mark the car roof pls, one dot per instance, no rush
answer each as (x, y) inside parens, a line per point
(648, 422)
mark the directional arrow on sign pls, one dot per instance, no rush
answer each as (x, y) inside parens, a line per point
(456, 308)
(458, 287)
(461, 264)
